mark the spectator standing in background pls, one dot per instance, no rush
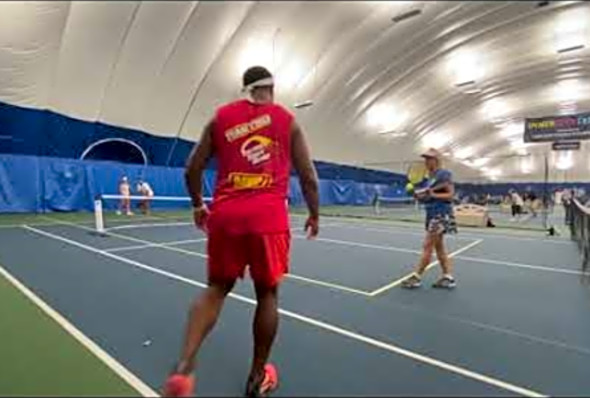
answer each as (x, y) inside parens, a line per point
(147, 192)
(125, 192)
(517, 204)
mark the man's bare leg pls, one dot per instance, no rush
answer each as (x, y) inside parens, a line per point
(202, 317)
(264, 328)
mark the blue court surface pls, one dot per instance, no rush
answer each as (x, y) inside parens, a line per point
(517, 323)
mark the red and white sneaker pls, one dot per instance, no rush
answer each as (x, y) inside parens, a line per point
(179, 385)
(269, 383)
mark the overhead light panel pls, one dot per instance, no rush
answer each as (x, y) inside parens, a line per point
(511, 130)
(435, 140)
(385, 117)
(257, 51)
(406, 15)
(465, 67)
(570, 31)
(463, 153)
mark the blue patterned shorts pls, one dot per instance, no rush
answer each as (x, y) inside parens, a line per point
(441, 224)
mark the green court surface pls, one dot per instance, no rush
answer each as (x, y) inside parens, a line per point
(40, 358)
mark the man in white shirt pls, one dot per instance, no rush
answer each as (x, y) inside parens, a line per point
(146, 191)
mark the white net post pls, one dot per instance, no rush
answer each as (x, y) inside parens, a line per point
(98, 215)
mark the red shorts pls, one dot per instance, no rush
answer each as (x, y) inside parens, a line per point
(267, 256)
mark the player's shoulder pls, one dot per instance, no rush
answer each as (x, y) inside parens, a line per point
(232, 105)
(446, 173)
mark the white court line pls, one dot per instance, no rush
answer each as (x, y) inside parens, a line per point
(329, 285)
(145, 246)
(81, 338)
(365, 245)
(150, 225)
(455, 254)
(520, 265)
(432, 264)
(315, 322)
(401, 229)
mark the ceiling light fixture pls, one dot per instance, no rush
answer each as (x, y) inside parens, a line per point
(406, 15)
(570, 49)
(304, 104)
(468, 83)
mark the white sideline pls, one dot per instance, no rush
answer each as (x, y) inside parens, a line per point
(455, 254)
(432, 264)
(154, 244)
(385, 226)
(90, 345)
(146, 244)
(314, 322)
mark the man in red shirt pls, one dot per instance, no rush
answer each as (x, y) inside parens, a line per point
(255, 142)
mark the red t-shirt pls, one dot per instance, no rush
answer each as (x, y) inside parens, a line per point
(252, 145)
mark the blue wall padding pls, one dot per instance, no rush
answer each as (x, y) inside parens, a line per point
(45, 133)
(38, 184)
(20, 184)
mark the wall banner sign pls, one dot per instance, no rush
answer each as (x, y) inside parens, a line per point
(566, 146)
(557, 128)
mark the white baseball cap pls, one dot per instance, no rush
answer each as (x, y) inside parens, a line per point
(431, 153)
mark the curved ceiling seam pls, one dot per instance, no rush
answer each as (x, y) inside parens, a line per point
(215, 59)
(355, 63)
(479, 34)
(388, 87)
(342, 41)
(194, 6)
(442, 106)
(349, 101)
(117, 59)
(57, 56)
(506, 86)
(383, 71)
(325, 54)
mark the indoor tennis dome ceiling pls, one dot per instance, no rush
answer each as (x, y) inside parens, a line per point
(381, 80)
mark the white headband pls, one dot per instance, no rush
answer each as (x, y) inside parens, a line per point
(260, 83)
